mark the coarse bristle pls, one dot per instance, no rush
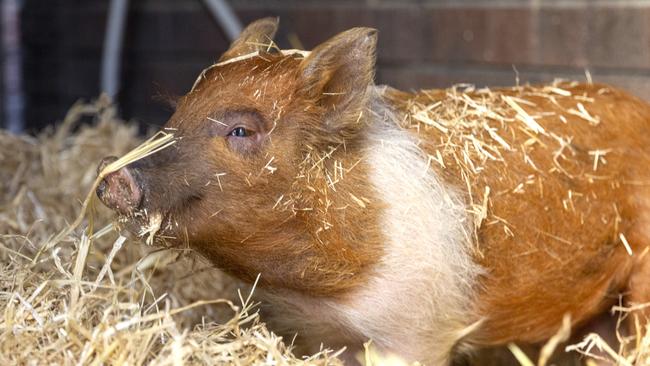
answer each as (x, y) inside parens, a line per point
(477, 127)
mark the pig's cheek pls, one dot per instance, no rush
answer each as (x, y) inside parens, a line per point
(244, 146)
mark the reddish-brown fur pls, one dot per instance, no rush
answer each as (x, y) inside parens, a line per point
(562, 259)
(271, 206)
(277, 212)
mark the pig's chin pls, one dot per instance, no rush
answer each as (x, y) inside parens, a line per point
(152, 227)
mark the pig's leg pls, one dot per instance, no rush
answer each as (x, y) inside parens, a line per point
(639, 239)
(639, 290)
(638, 285)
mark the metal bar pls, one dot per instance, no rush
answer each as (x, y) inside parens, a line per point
(112, 52)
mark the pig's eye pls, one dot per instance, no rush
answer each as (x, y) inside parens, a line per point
(240, 132)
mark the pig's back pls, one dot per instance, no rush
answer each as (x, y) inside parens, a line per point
(555, 181)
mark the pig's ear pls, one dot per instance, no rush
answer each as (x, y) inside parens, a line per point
(257, 36)
(337, 73)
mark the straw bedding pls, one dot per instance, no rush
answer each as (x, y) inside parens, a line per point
(88, 295)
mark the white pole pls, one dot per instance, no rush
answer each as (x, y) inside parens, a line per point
(224, 14)
(12, 69)
(112, 52)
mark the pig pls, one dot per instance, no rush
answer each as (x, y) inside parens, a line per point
(368, 219)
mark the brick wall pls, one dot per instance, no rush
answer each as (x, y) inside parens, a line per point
(422, 44)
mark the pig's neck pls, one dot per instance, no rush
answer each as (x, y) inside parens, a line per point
(408, 229)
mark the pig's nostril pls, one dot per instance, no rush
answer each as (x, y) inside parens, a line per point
(101, 188)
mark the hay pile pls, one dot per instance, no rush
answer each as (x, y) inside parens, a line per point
(104, 298)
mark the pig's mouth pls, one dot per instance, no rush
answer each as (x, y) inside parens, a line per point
(122, 192)
(154, 228)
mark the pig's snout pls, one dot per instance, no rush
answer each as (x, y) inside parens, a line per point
(119, 190)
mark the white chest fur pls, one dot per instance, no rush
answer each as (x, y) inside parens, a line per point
(417, 300)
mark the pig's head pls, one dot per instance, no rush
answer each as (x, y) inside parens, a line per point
(246, 181)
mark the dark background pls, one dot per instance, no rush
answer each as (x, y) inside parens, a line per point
(422, 44)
